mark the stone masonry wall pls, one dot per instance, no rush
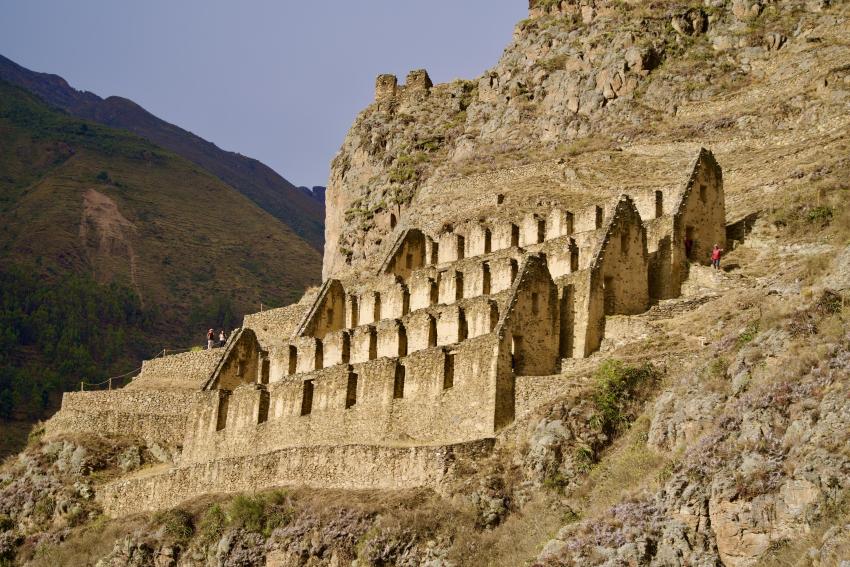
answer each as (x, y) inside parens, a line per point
(153, 415)
(274, 326)
(188, 370)
(346, 467)
(438, 395)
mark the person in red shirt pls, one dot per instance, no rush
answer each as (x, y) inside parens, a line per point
(716, 253)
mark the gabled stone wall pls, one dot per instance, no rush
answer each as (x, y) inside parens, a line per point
(239, 364)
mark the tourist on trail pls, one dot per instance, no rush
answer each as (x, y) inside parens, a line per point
(716, 253)
(210, 337)
(221, 338)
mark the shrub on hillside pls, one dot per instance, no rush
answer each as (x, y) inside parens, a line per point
(616, 385)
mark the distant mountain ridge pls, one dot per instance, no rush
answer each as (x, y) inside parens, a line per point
(112, 248)
(302, 212)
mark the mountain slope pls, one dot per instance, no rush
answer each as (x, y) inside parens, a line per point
(80, 199)
(261, 184)
(712, 430)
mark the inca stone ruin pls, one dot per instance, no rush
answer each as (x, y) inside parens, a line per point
(381, 376)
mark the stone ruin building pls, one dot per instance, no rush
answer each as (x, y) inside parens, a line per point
(380, 379)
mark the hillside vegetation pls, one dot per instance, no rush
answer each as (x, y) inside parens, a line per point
(93, 218)
(301, 212)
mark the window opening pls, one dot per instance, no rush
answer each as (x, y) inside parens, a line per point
(293, 359)
(568, 220)
(351, 391)
(263, 411)
(307, 397)
(376, 307)
(355, 310)
(610, 297)
(514, 236)
(221, 419)
(398, 382)
(266, 371)
(462, 328)
(448, 371)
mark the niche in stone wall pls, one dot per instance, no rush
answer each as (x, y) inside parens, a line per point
(514, 236)
(488, 240)
(659, 204)
(485, 279)
(398, 381)
(461, 247)
(435, 253)
(307, 397)
(351, 390)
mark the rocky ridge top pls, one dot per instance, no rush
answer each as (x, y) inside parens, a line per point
(578, 77)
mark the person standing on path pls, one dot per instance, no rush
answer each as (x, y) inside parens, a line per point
(221, 338)
(716, 253)
(210, 337)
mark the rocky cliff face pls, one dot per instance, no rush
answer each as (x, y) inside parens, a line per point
(578, 75)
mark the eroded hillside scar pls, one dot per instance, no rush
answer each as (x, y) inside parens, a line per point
(107, 236)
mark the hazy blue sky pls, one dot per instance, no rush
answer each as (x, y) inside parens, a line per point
(278, 80)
